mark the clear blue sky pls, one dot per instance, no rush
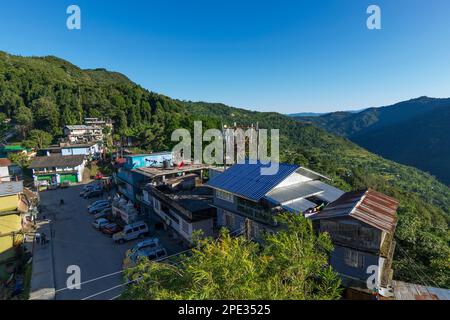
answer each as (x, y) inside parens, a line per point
(285, 56)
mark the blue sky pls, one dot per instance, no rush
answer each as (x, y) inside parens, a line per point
(285, 56)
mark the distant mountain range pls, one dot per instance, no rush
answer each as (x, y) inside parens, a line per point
(317, 114)
(47, 93)
(306, 114)
(413, 132)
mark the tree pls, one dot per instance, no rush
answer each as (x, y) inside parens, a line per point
(46, 115)
(292, 264)
(38, 139)
(20, 159)
(24, 120)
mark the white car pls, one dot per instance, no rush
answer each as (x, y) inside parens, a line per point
(131, 231)
(99, 223)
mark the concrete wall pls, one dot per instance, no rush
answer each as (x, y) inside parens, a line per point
(4, 174)
(148, 160)
(182, 227)
(8, 203)
(80, 151)
(8, 224)
(76, 151)
(132, 181)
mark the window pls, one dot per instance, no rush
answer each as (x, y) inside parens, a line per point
(229, 220)
(353, 258)
(222, 195)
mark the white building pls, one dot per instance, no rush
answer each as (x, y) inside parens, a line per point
(57, 168)
(4, 169)
(83, 133)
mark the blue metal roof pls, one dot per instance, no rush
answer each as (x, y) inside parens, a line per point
(245, 180)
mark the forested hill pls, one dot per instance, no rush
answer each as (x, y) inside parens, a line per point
(47, 93)
(413, 132)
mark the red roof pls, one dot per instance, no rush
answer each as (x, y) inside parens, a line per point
(5, 162)
(120, 162)
(369, 206)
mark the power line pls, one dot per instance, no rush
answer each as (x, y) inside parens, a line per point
(110, 289)
(418, 268)
(119, 272)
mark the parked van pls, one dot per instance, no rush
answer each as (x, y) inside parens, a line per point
(131, 232)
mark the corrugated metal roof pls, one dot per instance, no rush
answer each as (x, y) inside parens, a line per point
(329, 193)
(293, 192)
(411, 291)
(299, 206)
(245, 180)
(58, 161)
(5, 162)
(10, 188)
(369, 206)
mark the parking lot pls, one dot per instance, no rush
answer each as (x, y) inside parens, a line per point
(76, 243)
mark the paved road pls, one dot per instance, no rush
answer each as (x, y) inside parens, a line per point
(76, 242)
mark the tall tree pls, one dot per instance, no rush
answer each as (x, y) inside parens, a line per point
(24, 120)
(38, 139)
(46, 115)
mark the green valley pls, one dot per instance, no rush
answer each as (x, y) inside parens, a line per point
(47, 93)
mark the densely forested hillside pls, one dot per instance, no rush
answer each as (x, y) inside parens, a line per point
(412, 132)
(47, 93)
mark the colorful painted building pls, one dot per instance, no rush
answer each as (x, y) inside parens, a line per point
(56, 169)
(129, 181)
(13, 204)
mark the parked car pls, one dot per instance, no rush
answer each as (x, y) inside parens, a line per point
(131, 232)
(86, 189)
(93, 194)
(99, 208)
(98, 176)
(151, 253)
(97, 203)
(111, 229)
(103, 214)
(99, 223)
(147, 243)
